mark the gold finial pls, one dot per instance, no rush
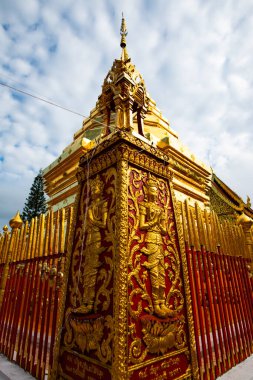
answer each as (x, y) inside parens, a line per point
(5, 228)
(123, 32)
(16, 221)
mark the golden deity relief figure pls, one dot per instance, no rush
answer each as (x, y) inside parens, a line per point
(156, 302)
(88, 317)
(96, 218)
(152, 220)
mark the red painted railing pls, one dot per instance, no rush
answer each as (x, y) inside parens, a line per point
(31, 274)
(223, 310)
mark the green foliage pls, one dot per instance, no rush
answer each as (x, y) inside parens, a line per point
(36, 202)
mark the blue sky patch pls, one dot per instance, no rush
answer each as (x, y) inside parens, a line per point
(18, 96)
(6, 27)
(52, 48)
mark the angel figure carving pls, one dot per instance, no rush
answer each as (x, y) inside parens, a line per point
(152, 219)
(95, 221)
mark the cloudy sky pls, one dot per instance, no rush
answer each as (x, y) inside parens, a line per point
(195, 56)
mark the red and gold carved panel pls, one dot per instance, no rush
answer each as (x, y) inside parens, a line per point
(157, 312)
(88, 326)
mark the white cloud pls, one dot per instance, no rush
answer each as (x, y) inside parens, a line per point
(194, 56)
(26, 12)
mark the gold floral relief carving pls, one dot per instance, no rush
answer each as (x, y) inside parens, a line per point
(90, 335)
(160, 337)
(155, 285)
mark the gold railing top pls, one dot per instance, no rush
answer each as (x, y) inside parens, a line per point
(16, 221)
(203, 228)
(5, 228)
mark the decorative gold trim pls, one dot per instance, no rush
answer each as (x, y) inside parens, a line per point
(191, 175)
(152, 162)
(63, 196)
(127, 137)
(187, 375)
(119, 368)
(190, 193)
(155, 360)
(195, 368)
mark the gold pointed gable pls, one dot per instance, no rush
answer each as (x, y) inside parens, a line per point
(225, 202)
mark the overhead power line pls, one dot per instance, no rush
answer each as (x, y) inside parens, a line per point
(41, 99)
(54, 104)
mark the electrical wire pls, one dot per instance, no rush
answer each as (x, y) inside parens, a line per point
(56, 105)
(41, 99)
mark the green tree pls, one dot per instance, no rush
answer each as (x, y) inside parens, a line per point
(36, 202)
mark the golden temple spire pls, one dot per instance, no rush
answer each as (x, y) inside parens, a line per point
(123, 32)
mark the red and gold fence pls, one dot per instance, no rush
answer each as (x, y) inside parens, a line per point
(32, 259)
(218, 259)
